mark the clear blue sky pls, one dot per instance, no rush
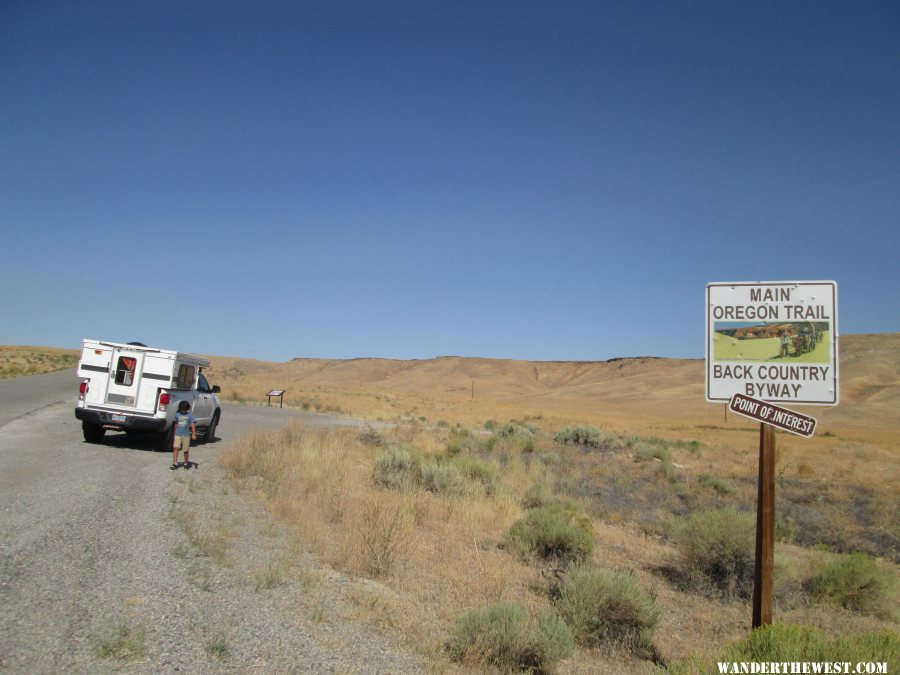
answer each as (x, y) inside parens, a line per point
(410, 179)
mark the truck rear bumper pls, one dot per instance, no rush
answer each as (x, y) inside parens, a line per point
(130, 423)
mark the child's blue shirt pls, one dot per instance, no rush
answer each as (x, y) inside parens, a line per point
(183, 422)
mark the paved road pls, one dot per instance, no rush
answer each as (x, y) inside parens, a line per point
(89, 541)
(25, 395)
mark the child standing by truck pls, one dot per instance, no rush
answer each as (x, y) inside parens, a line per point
(185, 432)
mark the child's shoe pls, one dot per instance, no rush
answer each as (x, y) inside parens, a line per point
(174, 466)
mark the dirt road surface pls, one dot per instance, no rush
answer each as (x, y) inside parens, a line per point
(110, 561)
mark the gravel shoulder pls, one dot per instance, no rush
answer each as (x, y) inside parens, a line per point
(111, 562)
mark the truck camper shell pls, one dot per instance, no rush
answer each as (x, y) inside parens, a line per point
(132, 375)
(131, 387)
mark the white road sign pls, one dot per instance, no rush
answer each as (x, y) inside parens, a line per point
(772, 340)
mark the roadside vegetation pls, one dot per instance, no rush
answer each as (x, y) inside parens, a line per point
(517, 546)
(782, 643)
(22, 361)
(123, 642)
(505, 636)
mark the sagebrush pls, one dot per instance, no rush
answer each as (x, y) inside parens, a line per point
(554, 532)
(856, 582)
(504, 636)
(717, 551)
(608, 608)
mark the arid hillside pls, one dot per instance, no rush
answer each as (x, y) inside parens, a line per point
(484, 446)
(431, 516)
(643, 392)
(621, 392)
(23, 361)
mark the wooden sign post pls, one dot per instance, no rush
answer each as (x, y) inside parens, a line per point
(770, 416)
(765, 529)
(771, 342)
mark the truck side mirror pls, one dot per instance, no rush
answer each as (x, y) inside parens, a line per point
(216, 389)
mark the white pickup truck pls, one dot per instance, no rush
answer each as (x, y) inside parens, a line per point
(134, 388)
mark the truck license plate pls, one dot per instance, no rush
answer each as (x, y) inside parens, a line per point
(117, 418)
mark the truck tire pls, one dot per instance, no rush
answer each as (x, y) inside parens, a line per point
(211, 431)
(167, 439)
(93, 433)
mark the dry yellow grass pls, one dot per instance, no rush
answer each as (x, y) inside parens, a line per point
(432, 557)
(443, 551)
(19, 361)
(858, 441)
(647, 393)
(845, 478)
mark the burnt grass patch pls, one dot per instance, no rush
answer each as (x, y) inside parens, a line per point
(622, 489)
(618, 489)
(843, 517)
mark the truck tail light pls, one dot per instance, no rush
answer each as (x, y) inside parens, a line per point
(83, 389)
(164, 399)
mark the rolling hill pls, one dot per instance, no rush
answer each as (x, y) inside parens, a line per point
(648, 389)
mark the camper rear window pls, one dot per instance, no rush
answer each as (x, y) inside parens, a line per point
(125, 371)
(185, 377)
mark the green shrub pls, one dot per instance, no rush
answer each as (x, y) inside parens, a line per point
(516, 435)
(479, 471)
(514, 430)
(784, 529)
(400, 467)
(441, 478)
(666, 470)
(122, 642)
(370, 436)
(714, 482)
(535, 429)
(716, 551)
(781, 642)
(540, 494)
(856, 582)
(454, 447)
(537, 495)
(384, 537)
(551, 641)
(648, 451)
(691, 446)
(645, 452)
(397, 467)
(502, 635)
(490, 425)
(549, 458)
(787, 583)
(785, 643)
(608, 608)
(461, 440)
(579, 435)
(552, 532)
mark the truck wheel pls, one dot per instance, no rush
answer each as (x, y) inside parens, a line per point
(93, 433)
(211, 431)
(167, 439)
